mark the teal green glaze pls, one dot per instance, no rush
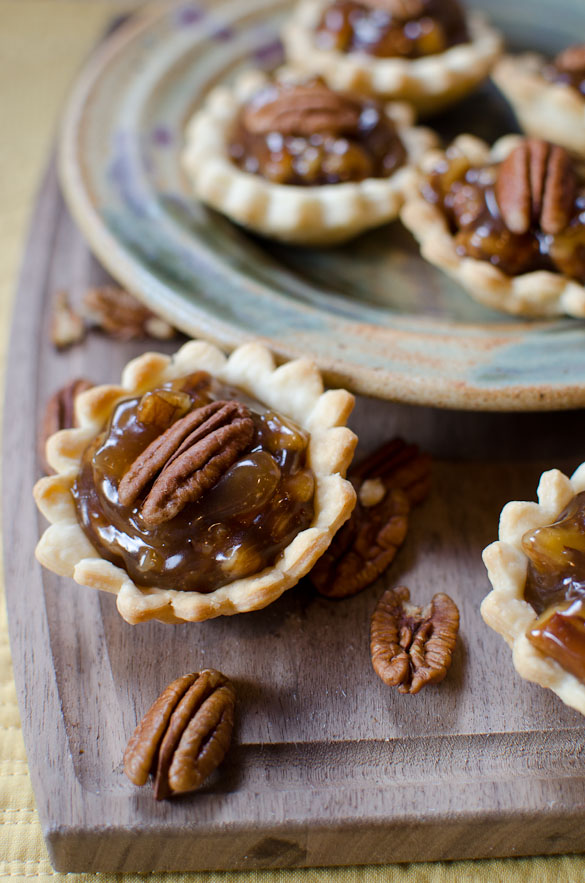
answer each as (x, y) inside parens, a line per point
(372, 313)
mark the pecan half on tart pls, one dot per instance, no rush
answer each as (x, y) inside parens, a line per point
(201, 486)
(507, 223)
(427, 52)
(537, 570)
(294, 160)
(548, 98)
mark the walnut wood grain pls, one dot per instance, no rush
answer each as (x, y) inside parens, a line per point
(329, 766)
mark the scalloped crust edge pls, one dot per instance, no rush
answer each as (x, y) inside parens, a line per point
(295, 388)
(540, 293)
(430, 83)
(504, 609)
(320, 215)
(553, 111)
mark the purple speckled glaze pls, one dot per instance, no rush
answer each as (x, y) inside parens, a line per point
(270, 55)
(162, 136)
(223, 33)
(122, 173)
(189, 15)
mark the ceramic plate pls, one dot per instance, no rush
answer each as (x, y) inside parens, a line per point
(373, 314)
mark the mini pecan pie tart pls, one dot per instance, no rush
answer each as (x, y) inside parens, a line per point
(537, 570)
(296, 161)
(507, 223)
(548, 98)
(427, 52)
(201, 486)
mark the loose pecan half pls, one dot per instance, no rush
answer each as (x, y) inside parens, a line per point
(388, 482)
(187, 459)
(536, 185)
(302, 110)
(120, 315)
(60, 414)
(412, 646)
(396, 464)
(67, 326)
(363, 548)
(185, 734)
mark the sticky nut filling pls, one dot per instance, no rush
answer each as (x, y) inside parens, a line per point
(568, 68)
(555, 587)
(392, 28)
(307, 134)
(194, 485)
(522, 215)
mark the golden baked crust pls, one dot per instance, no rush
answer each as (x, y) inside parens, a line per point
(505, 609)
(295, 389)
(553, 111)
(429, 83)
(317, 215)
(540, 293)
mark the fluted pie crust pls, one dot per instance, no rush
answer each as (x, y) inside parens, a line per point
(430, 83)
(553, 111)
(505, 610)
(539, 293)
(316, 215)
(295, 389)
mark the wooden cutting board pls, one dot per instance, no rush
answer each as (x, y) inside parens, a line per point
(329, 767)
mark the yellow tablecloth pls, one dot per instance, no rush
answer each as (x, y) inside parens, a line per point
(42, 43)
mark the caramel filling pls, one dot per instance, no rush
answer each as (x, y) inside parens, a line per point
(555, 587)
(308, 135)
(467, 197)
(392, 29)
(235, 528)
(560, 634)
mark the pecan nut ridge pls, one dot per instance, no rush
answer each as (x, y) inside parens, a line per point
(364, 547)
(184, 736)
(397, 464)
(60, 414)
(536, 185)
(302, 110)
(411, 646)
(187, 459)
(122, 316)
(141, 750)
(388, 483)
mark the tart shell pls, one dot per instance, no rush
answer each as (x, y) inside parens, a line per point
(319, 215)
(295, 389)
(505, 610)
(430, 83)
(553, 111)
(540, 293)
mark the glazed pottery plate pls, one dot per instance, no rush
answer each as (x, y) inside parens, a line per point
(372, 313)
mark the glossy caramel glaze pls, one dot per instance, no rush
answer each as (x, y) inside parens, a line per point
(466, 196)
(239, 526)
(555, 587)
(556, 553)
(349, 26)
(368, 146)
(560, 634)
